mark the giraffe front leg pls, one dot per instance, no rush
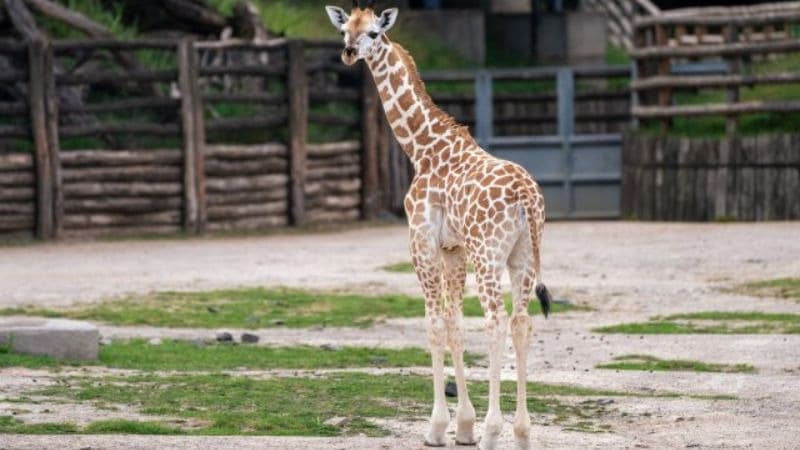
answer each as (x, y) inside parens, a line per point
(428, 267)
(455, 276)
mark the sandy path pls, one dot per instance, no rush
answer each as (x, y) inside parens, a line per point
(624, 271)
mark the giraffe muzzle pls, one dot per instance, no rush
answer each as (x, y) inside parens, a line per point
(350, 55)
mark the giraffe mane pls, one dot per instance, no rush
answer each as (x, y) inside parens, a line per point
(422, 93)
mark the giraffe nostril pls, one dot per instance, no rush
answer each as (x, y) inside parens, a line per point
(350, 51)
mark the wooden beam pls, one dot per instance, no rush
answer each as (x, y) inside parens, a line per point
(194, 176)
(298, 131)
(38, 117)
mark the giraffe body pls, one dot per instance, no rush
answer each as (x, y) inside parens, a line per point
(463, 204)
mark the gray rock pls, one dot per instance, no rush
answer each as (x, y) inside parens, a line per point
(450, 389)
(155, 341)
(605, 401)
(58, 338)
(224, 336)
(338, 422)
(329, 347)
(105, 341)
(249, 338)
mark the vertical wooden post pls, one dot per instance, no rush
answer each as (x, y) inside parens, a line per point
(565, 83)
(193, 125)
(297, 81)
(734, 62)
(370, 189)
(484, 108)
(664, 69)
(38, 116)
(53, 142)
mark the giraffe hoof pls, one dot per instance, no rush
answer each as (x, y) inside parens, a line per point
(471, 443)
(434, 444)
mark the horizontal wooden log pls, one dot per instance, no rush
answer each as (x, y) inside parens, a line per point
(14, 131)
(17, 222)
(105, 220)
(123, 205)
(324, 173)
(335, 95)
(16, 179)
(719, 19)
(333, 187)
(339, 120)
(16, 161)
(17, 194)
(216, 168)
(728, 49)
(67, 46)
(256, 70)
(333, 202)
(716, 80)
(76, 190)
(246, 123)
(650, 112)
(322, 215)
(17, 208)
(247, 198)
(155, 129)
(242, 44)
(102, 77)
(12, 108)
(266, 98)
(332, 148)
(237, 152)
(345, 159)
(230, 184)
(228, 212)
(120, 231)
(250, 223)
(123, 105)
(126, 173)
(104, 158)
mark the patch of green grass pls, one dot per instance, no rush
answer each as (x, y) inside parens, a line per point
(253, 308)
(10, 424)
(651, 363)
(713, 322)
(137, 354)
(128, 427)
(407, 267)
(787, 288)
(230, 405)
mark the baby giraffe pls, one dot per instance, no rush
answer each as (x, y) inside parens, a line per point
(463, 204)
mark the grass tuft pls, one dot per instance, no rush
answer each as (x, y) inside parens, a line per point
(713, 322)
(786, 288)
(651, 363)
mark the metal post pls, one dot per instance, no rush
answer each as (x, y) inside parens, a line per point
(484, 109)
(566, 129)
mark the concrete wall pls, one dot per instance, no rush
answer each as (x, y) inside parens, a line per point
(462, 30)
(572, 38)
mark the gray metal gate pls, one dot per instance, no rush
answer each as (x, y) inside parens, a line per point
(580, 173)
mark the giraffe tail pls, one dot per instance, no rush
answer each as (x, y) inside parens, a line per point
(528, 203)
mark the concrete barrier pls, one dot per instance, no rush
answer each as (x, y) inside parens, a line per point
(59, 338)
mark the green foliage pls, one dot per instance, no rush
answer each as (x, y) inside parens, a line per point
(713, 322)
(651, 363)
(254, 308)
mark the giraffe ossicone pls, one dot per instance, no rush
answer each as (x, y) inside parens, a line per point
(462, 204)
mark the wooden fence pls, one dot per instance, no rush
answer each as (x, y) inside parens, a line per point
(735, 35)
(692, 179)
(213, 136)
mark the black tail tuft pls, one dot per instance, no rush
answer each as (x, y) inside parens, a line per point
(544, 299)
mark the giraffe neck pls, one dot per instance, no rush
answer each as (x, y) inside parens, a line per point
(422, 129)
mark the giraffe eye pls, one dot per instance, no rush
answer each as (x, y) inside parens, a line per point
(372, 35)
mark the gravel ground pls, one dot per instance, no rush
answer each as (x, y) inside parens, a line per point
(624, 271)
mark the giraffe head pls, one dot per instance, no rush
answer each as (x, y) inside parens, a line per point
(361, 28)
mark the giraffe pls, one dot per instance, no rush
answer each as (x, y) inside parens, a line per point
(462, 204)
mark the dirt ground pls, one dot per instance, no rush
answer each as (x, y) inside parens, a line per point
(624, 271)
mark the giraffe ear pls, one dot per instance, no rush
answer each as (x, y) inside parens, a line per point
(387, 19)
(337, 15)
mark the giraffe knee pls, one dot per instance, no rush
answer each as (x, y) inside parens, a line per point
(437, 332)
(521, 328)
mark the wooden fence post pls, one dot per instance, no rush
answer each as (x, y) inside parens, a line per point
(193, 126)
(53, 141)
(297, 81)
(370, 189)
(37, 91)
(731, 37)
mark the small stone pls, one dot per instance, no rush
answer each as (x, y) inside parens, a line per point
(338, 422)
(249, 338)
(105, 341)
(317, 328)
(224, 336)
(154, 341)
(692, 445)
(277, 322)
(329, 347)
(450, 389)
(212, 309)
(605, 401)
